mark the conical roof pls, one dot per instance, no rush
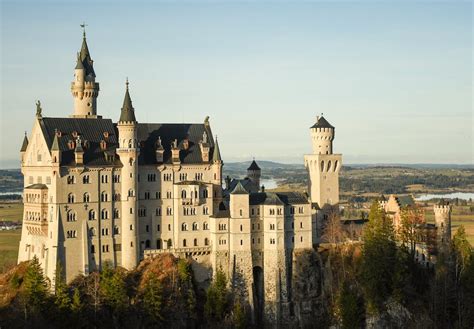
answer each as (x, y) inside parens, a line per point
(128, 113)
(322, 123)
(253, 166)
(55, 146)
(216, 156)
(25, 144)
(85, 58)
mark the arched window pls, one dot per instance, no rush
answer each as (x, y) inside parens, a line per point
(329, 166)
(184, 227)
(85, 179)
(71, 216)
(70, 198)
(158, 244)
(195, 226)
(169, 244)
(116, 213)
(147, 244)
(195, 242)
(206, 241)
(104, 214)
(184, 242)
(205, 193)
(131, 192)
(335, 164)
(104, 197)
(322, 165)
(116, 230)
(205, 226)
(91, 214)
(86, 197)
(183, 194)
(92, 231)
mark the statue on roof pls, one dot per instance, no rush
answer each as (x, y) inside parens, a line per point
(38, 109)
(204, 137)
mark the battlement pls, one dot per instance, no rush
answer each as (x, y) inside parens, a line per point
(442, 209)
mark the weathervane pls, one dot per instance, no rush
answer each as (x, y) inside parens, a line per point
(83, 26)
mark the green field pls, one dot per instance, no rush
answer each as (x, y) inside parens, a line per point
(9, 240)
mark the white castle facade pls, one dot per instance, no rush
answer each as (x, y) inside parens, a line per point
(97, 191)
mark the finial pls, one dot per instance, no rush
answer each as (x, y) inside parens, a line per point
(127, 83)
(216, 138)
(83, 26)
(322, 114)
(25, 133)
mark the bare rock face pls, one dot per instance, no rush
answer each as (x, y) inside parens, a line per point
(308, 308)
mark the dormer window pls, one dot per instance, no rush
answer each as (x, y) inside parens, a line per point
(71, 144)
(106, 134)
(75, 134)
(103, 144)
(186, 144)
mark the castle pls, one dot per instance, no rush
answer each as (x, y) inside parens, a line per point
(97, 191)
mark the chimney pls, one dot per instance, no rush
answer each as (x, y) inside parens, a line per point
(79, 152)
(175, 152)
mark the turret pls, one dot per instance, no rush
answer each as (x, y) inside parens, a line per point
(84, 89)
(24, 146)
(442, 212)
(254, 173)
(322, 135)
(128, 152)
(55, 150)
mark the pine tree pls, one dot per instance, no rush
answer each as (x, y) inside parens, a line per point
(379, 258)
(217, 301)
(36, 294)
(113, 292)
(152, 298)
(61, 298)
(351, 307)
(76, 304)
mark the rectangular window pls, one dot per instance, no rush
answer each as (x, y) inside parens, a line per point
(48, 180)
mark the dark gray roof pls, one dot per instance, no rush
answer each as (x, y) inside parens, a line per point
(91, 132)
(253, 166)
(127, 114)
(24, 145)
(248, 185)
(148, 134)
(278, 198)
(85, 58)
(322, 123)
(216, 156)
(37, 187)
(239, 189)
(405, 200)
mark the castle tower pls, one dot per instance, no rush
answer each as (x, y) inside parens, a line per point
(241, 270)
(84, 89)
(323, 170)
(323, 165)
(442, 212)
(254, 173)
(128, 152)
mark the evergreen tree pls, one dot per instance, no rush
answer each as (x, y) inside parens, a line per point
(113, 292)
(35, 295)
(217, 302)
(76, 304)
(379, 258)
(239, 316)
(151, 300)
(61, 298)
(351, 307)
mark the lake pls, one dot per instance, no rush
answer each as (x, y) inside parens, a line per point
(459, 195)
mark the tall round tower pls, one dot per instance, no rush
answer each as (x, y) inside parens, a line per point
(442, 212)
(128, 152)
(254, 173)
(84, 89)
(322, 135)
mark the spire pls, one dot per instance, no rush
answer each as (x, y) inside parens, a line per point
(55, 146)
(25, 144)
(79, 65)
(216, 156)
(84, 55)
(321, 122)
(128, 112)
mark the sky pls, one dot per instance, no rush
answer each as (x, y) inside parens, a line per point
(394, 78)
